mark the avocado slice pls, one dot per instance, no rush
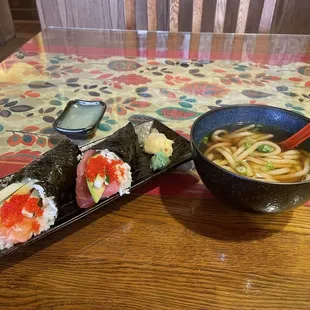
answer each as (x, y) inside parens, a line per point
(35, 194)
(94, 191)
(94, 187)
(14, 188)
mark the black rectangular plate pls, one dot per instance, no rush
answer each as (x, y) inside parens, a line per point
(70, 212)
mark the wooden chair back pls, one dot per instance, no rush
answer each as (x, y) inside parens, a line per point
(174, 14)
(266, 16)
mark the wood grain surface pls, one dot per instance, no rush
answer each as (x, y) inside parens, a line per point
(130, 14)
(152, 15)
(255, 16)
(220, 13)
(291, 15)
(267, 16)
(197, 15)
(208, 14)
(242, 16)
(174, 16)
(165, 253)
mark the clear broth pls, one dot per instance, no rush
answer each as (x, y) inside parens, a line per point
(279, 134)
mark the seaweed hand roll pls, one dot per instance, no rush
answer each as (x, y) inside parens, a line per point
(108, 167)
(101, 175)
(25, 213)
(29, 204)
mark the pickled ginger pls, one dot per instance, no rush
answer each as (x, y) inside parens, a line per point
(157, 142)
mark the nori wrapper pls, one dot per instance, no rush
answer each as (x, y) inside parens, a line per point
(125, 143)
(55, 171)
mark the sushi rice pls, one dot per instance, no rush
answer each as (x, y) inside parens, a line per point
(124, 180)
(45, 221)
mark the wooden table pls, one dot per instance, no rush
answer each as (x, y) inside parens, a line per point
(170, 245)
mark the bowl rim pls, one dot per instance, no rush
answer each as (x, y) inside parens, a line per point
(198, 119)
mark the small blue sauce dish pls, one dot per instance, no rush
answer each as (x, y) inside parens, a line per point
(243, 192)
(80, 118)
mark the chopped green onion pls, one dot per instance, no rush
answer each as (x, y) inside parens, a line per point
(205, 139)
(35, 194)
(247, 145)
(257, 128)
(242, 170)
(269, 166)
(264, 148)
(107, 180)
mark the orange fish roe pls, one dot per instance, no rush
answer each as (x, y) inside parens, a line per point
(11, 211)
(35, 226)
(100, 165)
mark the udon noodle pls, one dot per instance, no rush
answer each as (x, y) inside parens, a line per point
(251, 153)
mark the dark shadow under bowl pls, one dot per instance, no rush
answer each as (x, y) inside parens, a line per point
(238, 191)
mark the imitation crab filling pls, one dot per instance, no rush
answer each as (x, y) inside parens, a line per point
(24, 212)
(106, 175)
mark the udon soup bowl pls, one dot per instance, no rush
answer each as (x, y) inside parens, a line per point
(236, 190)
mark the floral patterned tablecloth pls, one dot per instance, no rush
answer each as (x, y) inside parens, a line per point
(35, 87)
